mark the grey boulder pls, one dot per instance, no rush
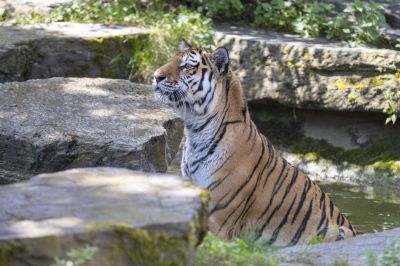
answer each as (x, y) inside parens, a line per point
(132, 218)
(61, 123)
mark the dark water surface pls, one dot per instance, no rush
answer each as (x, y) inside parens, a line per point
(368, 209)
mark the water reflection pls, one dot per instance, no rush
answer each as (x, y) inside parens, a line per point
(369, 209)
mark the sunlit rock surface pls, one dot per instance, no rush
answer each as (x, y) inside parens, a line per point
(133, 218)
(353, 252)
(43, 7)
(311, 73)
(67, 50)
(61, 123)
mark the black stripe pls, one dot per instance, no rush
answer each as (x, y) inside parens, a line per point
(247, 205)
(201, 127)
(209, 101)
(281, 224)
(251, 130)
(210, 76)
(216, 183)
(306, 188)
(331, 206)
(221, 207)
(244, 112)
(227, 86)
(271, 198)
(271, 170)
(302, 226)
(233, 122)
(339, 217)
(281, 179)
(215, 135)
(200, 87)
(352, 229)
(227, 218)
(323, 214)
(324, 230)
(222, 165)
(288, 188)
(201, 101)
(343, 220)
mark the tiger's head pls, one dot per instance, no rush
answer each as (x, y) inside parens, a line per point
(190, 81)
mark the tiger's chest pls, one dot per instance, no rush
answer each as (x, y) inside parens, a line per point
(200, 160)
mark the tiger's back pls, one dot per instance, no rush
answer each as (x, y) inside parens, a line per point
(252, 187)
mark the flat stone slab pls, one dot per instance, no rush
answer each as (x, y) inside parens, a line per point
(61, 123)
(132, 218)
(311, 73)
(16, 7)
(67, 50)
(352, 252)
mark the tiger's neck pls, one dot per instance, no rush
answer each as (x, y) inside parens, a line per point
(208, 140)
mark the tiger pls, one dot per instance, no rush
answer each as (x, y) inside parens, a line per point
(252, 188)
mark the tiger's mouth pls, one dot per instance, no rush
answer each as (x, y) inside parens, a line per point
(170, 95)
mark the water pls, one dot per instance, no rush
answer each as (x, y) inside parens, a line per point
(369, 209)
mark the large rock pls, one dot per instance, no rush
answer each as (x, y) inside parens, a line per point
(357, 251)
(311, 73)
(18, 7)
(132, 218)
(67, 50)
(60, 123)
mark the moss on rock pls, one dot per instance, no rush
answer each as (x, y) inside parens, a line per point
(7, 252)
(143, 247)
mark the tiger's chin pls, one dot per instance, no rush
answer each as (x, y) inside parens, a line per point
(175, 101)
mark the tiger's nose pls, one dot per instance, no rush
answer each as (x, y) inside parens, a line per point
(159, 78)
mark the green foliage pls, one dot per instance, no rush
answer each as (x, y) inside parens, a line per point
(240, 251)
(77, 256)
(167, 26)
(300, 16)
(169, 30)
(390, 108)
(312, 22)
(358, 23)
(389, 257)
(120, 11)
(219, 9)
(316, 239)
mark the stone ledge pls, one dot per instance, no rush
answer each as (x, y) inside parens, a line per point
(60, 123)
(352, 252)
(67, 49)
(311, 73)
(133, 218)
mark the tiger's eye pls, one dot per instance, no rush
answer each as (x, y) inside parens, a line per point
(185, 66)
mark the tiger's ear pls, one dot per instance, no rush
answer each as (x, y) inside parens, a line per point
(183, 44)
(220, 58)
